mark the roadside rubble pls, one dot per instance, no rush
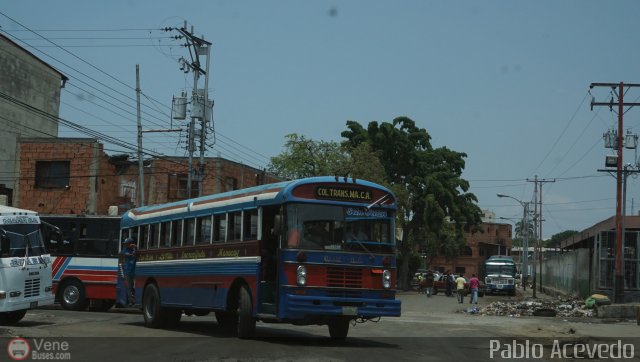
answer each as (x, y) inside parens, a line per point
(549, 307)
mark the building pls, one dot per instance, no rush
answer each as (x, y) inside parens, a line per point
(29, 106)
(586, 263)
(75, 176)
(491, 238)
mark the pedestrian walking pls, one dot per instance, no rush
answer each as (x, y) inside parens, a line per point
(449, 282)
(460, 281)
(474, 284)
(428, 283)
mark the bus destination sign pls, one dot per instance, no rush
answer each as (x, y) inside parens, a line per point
(343, 193)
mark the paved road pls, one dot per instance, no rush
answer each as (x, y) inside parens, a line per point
(430, 329)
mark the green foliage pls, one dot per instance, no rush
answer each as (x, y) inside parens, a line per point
(305, 158)
(433, 198)
(557, 238)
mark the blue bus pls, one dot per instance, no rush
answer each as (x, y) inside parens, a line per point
(318, 250)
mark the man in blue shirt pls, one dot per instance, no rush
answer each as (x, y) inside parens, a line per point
(130, 255)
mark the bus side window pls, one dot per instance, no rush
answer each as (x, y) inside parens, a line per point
(220, 228)
(189, 231)
(165, 233)
(176, 233)
(250, 225)
(203, 230)
(235, 226)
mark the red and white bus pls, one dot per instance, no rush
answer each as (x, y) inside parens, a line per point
(284, 252)
(85, 261)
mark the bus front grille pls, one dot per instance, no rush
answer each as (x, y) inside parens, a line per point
(31, 288)
(344, 277)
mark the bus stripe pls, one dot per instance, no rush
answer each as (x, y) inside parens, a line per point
(57, 263)
(62, 268)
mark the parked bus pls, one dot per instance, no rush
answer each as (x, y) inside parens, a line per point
(500, 274)
(85, 262)
(25, 266)
(318, 250)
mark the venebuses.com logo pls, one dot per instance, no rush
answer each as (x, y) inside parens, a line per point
(19, 349)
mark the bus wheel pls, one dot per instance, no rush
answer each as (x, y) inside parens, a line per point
(73, 296)
(154, 315)
(11, 318)
(435, 291)
(339, 328)
(246, 322)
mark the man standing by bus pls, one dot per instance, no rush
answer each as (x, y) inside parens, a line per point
(130, 255)
(474, 284)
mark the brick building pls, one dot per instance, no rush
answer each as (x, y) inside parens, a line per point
(75, 176)
(492, 239)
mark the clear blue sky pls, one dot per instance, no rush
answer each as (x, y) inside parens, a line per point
(505, 82)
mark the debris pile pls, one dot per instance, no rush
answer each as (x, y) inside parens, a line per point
(560, 307)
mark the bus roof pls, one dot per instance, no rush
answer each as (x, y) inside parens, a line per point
(268, 194)
(13, 211)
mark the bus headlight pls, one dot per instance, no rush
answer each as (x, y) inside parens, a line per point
(386, 279)
(301, 275)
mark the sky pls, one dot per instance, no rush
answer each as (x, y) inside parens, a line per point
(506, 82)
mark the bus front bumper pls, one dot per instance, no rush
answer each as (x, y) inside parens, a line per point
(295, 306)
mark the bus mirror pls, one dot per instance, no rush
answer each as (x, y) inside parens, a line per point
(5, 243)
(277, 224)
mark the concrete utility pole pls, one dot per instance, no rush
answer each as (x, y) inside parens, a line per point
(200, 104)
(538, 227)
(525, 239)
(619, 277)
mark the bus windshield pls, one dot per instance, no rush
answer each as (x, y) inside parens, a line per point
(22, 237)
(327, 227)
(501, 269)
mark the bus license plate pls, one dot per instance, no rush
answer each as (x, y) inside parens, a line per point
(349, 310)
(33, 305)
(499, 286)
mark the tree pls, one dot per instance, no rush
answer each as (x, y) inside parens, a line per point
(434, 205)
(305, 158)
(557, 238)
(519, 232)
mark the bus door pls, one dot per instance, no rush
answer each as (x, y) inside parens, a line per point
(269, 245)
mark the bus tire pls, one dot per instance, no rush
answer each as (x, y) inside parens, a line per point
(435, 291)
(339, 328)
(73, 297)
(154, 315)
(11, 318)
(246, 322)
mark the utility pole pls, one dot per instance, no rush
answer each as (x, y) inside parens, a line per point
(619, 277)
(140, 160)
(538, 225)
(200, 104)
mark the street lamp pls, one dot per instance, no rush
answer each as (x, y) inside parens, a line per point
(525, 239)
